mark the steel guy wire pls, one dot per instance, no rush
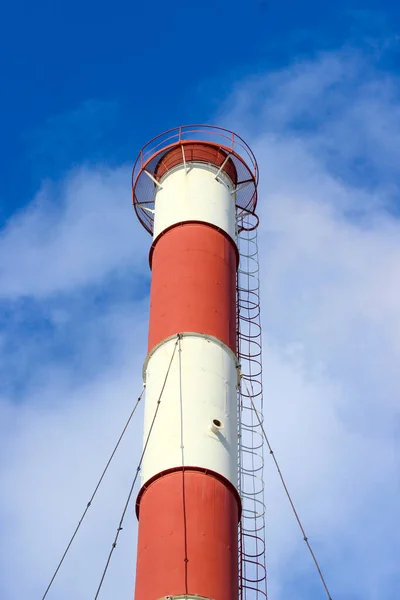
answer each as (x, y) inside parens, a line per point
(119, 528)
(186, 559)
(305, 538)
(93, 495)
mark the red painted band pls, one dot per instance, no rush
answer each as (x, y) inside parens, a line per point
(181, 224)
(188, 538)
(193, 285)
(209, 472)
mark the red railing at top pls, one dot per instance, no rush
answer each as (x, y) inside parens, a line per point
(145, 175)
(206, 133)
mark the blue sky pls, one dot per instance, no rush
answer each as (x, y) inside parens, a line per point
(314, 89)
(87, 82)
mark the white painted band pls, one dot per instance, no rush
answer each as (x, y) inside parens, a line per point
(194, 193)
(205, 336)
(198, 405)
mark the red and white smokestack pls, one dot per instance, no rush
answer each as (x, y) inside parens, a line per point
(188, 186)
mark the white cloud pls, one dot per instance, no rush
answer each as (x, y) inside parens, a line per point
(55, 443)
(72, 235)
(330, 255)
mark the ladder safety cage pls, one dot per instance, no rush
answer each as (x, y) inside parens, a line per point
(252, 547)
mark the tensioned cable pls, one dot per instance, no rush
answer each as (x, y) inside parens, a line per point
(93, 495)
(186, 559)
(119, 528)
(305, 538)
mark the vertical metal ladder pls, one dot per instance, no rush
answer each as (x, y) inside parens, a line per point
(252, 547)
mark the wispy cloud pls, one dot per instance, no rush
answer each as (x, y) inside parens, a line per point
(72, 235)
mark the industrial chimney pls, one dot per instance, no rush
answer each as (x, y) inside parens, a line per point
(194, 188)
